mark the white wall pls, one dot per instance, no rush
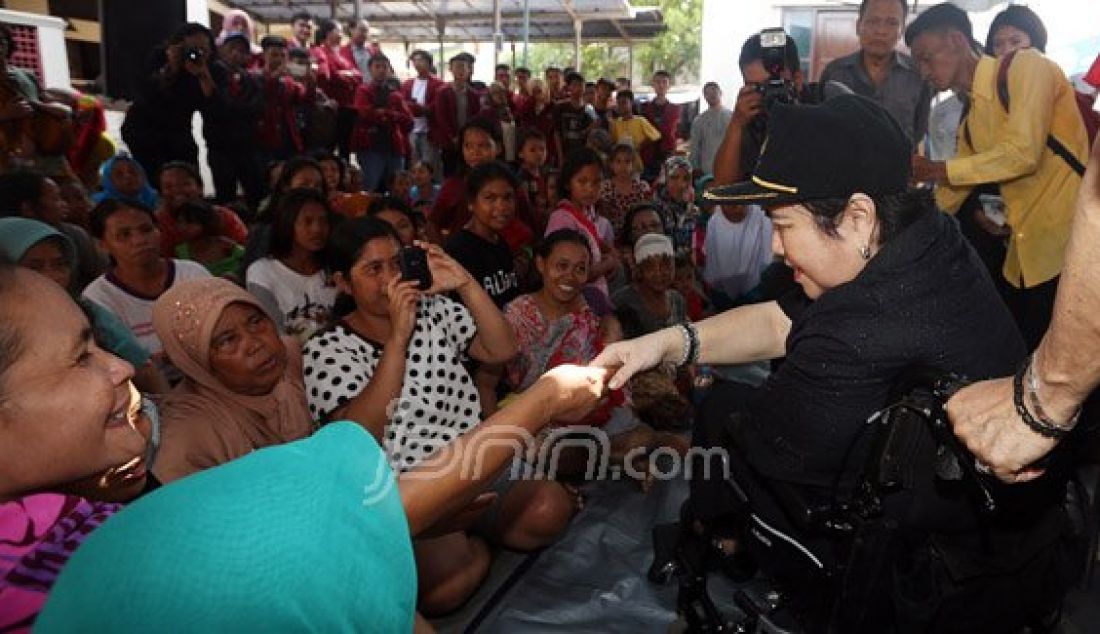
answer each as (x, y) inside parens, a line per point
(198, 11)
(726, 26)
(51, 44)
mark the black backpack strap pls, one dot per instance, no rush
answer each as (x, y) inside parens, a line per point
(1054, 144)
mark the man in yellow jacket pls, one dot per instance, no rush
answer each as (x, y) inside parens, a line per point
(1021, 133)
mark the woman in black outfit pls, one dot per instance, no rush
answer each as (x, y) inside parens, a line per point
(886, 283)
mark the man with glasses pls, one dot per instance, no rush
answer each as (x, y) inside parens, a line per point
(878, 71)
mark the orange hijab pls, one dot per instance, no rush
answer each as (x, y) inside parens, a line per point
(203, 423)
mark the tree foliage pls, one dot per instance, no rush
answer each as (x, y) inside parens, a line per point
(677, 50)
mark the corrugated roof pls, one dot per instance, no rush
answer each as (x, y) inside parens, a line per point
(472, 20)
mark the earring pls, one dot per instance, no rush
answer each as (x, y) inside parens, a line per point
(865, 252)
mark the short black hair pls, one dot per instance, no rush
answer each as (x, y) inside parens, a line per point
(628, 238)
(894, 212)
(341, 164)
(463, 57)
(622, 148)
(201, 213)
(572, 77)
(752, 51)
(522, 70)
(325, 27)
(561, 236)
(712, 84)
(577, 160)
(379, 58)
(528, 134)
(301, 15)
(904, 8)
(1023, 18)
(391, 203)
(272, 41)
(97, 220)
(503, 67)
(484, 124)
(486, 173)
(663, 73)
(19, 188)
(624, 94)
(422, 53)
(346, 246)
(551, 69)
(287, 209)
(603, 81)
(183, 166)
(427, 165)
(941, 17)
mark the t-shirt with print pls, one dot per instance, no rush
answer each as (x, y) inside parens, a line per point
(300, 304)
(135, 310)
(490, 263)
(572, 123)
(438, 401)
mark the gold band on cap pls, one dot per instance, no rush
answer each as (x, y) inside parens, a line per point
(787, 189)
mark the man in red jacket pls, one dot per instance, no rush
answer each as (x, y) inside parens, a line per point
(277, 133)
(420, 93)
(665, 116)
(383, 122)
(457, 103)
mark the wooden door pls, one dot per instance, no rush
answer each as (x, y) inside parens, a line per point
(834, 36)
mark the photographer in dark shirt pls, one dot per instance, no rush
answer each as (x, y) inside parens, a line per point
(181, 79)
(762, 60)
(230, 126)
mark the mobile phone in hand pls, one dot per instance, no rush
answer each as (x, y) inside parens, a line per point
(414, 266)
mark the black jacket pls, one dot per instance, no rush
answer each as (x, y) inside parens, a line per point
(924, 299)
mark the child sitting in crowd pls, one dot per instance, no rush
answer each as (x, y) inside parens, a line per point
(624, 189)
(676, 197)
(293, 281)
(580, 189)
(198, 225)
(424, 189)
(650, 303)
(480, 144)
(123, 177)
(395, 213)
(532, 172)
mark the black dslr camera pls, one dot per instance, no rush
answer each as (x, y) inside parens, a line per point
(193, 54)
(773, 43)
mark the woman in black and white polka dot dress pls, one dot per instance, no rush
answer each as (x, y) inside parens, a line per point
(394, 364)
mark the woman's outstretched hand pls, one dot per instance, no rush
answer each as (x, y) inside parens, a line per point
(570, 392)
(627, 358)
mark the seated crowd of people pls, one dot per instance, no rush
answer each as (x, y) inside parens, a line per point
(165, 336)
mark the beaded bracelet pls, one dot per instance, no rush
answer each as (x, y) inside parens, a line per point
(1033, 397)
(1043, 428)
(692, 334)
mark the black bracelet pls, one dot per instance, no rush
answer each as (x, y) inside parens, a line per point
(1039, 427)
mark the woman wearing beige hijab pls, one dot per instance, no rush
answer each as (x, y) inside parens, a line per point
(242, 388)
